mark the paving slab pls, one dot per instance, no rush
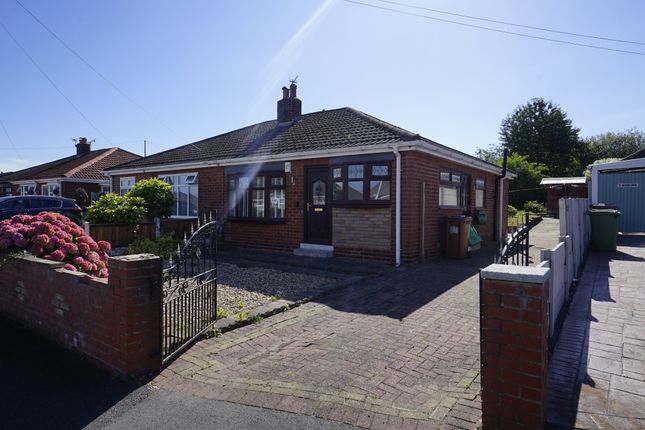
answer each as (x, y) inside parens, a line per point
(605, 387)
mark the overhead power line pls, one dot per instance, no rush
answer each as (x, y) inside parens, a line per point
(98, 73)
(497, 30)
(53, 84)
(10, 139)
(513, 24)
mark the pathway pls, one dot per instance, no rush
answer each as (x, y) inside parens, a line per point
(597, 372)
(400, 351)
(545, 235)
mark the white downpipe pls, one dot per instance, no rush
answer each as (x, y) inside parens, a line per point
(397, 245)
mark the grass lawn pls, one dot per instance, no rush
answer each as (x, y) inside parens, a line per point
(519, 218)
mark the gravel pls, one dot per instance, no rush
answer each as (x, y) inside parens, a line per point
(240, 289)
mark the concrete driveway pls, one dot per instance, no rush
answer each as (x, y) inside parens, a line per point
(401, 351)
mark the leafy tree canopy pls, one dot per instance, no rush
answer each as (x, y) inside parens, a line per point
(527, 184)
(612, 145)
(112, 208)
(541, 131)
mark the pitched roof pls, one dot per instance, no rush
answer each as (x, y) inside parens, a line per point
(86, 166)
(324, 130)
(635, 155)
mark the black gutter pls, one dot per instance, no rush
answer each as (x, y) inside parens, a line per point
(497, 194)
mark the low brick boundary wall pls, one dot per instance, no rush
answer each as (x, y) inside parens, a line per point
(116, 323)
(514, 346)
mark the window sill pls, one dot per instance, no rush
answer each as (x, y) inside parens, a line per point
(452, 207)
(257, 220)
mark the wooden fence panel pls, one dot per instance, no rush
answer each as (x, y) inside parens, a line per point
(122, 234)
(179, 227)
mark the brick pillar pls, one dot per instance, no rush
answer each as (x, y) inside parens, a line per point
(514, 346)
(136, 289)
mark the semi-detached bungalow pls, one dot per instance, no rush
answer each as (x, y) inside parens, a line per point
(337, 180)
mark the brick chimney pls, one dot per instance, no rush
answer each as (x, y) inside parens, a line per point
(290, 107)
(82, 147)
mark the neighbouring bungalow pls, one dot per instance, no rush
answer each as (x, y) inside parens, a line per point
(336, 181)
(67, 176)
(557, 188)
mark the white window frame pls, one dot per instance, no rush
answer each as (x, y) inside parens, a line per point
(45, 189)
(24, 189)
(480, 190)
(191, 181)
(126, 187)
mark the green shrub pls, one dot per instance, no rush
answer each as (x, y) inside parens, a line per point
(157, 195)
(165, 246)
(535, 207)
(512, 210)
(111, 208)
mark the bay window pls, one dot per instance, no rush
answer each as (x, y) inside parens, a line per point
(185, 190)
(259, 197)
(27, 189)
(50, 190)
(361, 183)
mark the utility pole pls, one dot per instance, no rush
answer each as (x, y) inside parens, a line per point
(144, 147)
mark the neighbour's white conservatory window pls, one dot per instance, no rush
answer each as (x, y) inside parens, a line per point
(50, 190)
(185, 191)
(126, 184)
(27, 189)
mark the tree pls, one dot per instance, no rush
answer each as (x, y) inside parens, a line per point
(541, 131)
(612, 145)
(157, 195)
(527, 184)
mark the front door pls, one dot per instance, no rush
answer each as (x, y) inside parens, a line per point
(317, 207)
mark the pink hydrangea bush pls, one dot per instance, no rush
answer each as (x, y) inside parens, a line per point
(54, 237)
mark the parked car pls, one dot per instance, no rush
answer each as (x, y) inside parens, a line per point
(32, 205)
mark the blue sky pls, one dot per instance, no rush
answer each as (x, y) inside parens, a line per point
(205, 67)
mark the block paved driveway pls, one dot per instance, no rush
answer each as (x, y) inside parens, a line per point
(400, 351)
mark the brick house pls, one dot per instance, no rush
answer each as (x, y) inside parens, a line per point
(557, 188)
(336, 181)
(66, 176)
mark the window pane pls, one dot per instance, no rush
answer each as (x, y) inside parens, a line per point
(338, 191)
(355, 190)
(258, 204)
(479, 198)
(456, 178)
(277, 182)
(193, 206)
(480, 184)
(380, 190)
(445, 177)
(231, 202)
(183, 201)
(380, 170)
(319, 193)
(448, 196)
(355, 171)
(258, 182)
(337, 172)
(277, 204)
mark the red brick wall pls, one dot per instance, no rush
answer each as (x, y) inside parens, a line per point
(69, 188)
(553, 194)
(116, 323)
(417, 168)
(514, 336)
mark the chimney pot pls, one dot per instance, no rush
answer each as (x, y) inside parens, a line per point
(285, 93)
(292, 90)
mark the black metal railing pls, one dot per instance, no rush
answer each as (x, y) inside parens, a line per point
(190, 290)
(516, 249)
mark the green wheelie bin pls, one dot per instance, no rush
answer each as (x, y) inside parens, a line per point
(604, 228)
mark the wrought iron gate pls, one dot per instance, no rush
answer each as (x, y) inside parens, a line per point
(190, 290)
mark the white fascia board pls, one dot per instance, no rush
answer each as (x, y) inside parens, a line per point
(624, 164)
(61, 180)
(459, 158)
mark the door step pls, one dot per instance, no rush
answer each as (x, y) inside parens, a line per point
(314, 250)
